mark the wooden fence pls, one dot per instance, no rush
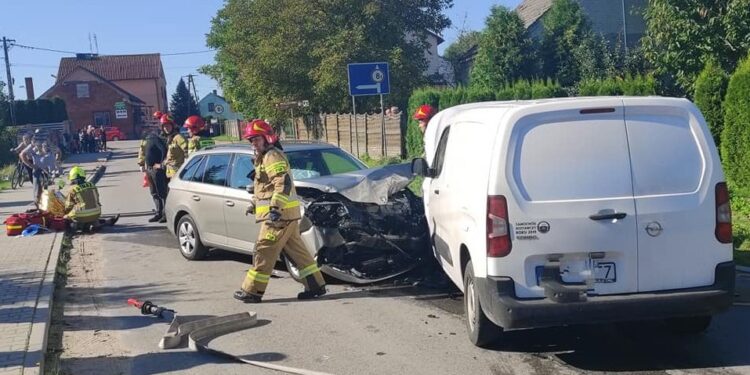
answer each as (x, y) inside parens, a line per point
(360, 138)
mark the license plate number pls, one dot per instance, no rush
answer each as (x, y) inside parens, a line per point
(605, 272)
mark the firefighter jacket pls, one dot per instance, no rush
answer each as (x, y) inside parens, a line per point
(82, 204)
(273, 187)
(198, 142)
(142, 153)
(177, 149)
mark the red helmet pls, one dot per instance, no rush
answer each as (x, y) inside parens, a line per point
(260, 128)
(166, 119)
(195, 123)
(424, 112)
(157, 115)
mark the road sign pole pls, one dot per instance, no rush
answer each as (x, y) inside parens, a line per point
(382, 126)
(356, 129)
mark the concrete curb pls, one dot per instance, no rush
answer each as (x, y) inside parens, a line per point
(107, 156)
(37, 344)
(743, 269)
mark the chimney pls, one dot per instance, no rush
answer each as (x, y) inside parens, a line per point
(214, 92)
(29, 88)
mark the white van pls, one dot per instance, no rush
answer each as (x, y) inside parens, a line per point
(579, 210)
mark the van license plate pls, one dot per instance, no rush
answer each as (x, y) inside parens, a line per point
(605, 272)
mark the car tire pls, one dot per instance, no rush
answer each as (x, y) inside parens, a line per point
(482, 331)
(291, 268)
(688, 325)
(189, 239)
(115, 139)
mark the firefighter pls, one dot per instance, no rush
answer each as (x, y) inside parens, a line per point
(151, 160)
(176, 146)
(423, 115)
(275, 206)
(82, 207)
(142, 147)
(198, 137)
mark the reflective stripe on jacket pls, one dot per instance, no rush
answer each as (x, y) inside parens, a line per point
(273, 187)
(82, 203)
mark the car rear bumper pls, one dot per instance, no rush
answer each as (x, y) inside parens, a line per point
(500, 304)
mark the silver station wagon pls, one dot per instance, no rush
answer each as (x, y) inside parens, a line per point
(362, 225)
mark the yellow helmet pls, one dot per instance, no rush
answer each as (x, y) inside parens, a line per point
(76, 172)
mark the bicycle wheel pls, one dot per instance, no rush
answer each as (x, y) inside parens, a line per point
(15, 178)
(23, 175)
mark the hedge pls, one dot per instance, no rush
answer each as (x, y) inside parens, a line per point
(39, 111)
(735, 137)
(414, 143)
(638, 85)
(710, 88)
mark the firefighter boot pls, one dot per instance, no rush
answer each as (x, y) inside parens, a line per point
(247, 297)
(310, 294)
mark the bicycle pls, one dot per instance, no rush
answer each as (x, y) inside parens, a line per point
(19, 176)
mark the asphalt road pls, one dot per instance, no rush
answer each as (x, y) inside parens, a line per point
(382, 329)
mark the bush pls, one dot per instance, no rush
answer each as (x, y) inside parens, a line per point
(633, 86)
(710, 88)
(735, 137)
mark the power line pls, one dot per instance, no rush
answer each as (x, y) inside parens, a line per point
(43, 49)
(187, 53)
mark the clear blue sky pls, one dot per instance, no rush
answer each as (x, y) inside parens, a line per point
(139, 26)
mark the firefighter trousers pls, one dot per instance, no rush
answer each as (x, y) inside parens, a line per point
(157, 184)
(272, 239)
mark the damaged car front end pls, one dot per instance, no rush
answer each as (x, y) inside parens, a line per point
(364, 226)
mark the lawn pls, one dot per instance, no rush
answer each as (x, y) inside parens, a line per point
(5, 173)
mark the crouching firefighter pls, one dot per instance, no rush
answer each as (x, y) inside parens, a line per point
(275, 207)
(82, 208)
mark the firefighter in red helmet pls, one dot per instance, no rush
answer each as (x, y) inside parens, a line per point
(423, 115)
(196, 127)
(275, 205)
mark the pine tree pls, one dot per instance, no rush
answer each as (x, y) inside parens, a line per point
(183, 104)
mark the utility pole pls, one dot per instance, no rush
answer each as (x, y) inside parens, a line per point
(191, 85)
(10, 82)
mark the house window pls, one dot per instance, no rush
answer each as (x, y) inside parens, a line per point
(82, 90)
(210, 107)
(101, 119)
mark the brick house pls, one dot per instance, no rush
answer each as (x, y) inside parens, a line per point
(93, 100)
(123, 90)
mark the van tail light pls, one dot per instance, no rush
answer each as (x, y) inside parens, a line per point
(498, 229)
(723, 214)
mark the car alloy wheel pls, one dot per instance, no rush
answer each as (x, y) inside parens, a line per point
(186, 235)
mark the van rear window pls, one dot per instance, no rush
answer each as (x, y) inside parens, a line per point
(665, 155)
(575, 160)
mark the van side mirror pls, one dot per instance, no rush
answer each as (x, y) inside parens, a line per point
(419, 167)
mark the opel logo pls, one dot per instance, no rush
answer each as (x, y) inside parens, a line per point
(543, 227)
(653, 229)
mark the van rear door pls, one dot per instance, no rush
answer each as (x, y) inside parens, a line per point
(675, 172)
(570, 177)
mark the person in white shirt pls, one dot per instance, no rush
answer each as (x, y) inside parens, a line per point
(42, 161)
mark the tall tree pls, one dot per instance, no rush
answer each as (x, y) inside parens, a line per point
(504, 50)
(303, 52)
(457, 50)
(183, 104)
(682, 35)
(565, 31)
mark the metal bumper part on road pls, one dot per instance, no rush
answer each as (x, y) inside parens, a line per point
(500, 304)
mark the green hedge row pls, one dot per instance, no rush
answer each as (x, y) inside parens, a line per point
(638, 85)
(710, 89)
(520, 90)
(735, 136)
(39, 111)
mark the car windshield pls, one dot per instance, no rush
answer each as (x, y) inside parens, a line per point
(321, 162)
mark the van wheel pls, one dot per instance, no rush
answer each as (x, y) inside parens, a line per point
(189, 239)
(689, 325)
(482, 331)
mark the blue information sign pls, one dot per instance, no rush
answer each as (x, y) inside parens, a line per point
(368, 79)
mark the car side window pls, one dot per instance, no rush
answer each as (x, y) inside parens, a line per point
(190, 169)
(440, 153)
(242, 166)
(216, 169)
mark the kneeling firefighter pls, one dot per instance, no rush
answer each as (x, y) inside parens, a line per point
(279, 212)
(82, 207)
(199, 137)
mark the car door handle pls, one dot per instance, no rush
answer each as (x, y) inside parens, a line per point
(196, 198)
(229, 203)
(608, 216)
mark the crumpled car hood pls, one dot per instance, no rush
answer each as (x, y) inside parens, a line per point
(373, 185)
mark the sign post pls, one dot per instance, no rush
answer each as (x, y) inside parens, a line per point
(369, 79)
